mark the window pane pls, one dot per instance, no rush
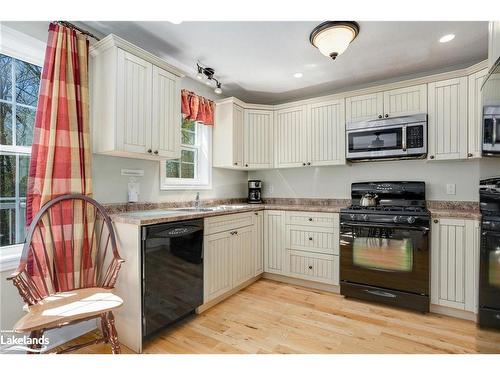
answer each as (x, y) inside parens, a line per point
(173, 169)
(7, 222)
(5, 124)
(25, 122)
(24, 165)
(189, 125)
(187, 170)
(5, 77)
(187, 156)
(27, 83)
(7, 176)
(188, 138)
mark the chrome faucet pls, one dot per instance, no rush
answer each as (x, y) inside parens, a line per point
(197, 200)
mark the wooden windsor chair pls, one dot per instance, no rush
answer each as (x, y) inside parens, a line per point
(68, 269)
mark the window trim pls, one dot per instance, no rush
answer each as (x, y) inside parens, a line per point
(203, 172)
(26, 48)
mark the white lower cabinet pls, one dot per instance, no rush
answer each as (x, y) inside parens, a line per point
(304, 245)
(232, 252)
(455, 263)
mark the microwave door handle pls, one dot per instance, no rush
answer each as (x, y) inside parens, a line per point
(494, 137)
(404, 138)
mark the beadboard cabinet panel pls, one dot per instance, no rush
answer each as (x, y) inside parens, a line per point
(258, 225)
(166, 138)
(364, 107)
(217, 265)
(134, 103)
(291, 137)
(258, 139)
(447, 119)
(274, 241)
(318, 240)
(238, 134)
(327, 130)
(313, 267)
(243, 255)
(454, 273)
(405, 101)
(475, 119)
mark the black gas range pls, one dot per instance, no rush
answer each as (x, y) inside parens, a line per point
(384, 248)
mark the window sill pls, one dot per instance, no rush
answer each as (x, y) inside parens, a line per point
(10, 257)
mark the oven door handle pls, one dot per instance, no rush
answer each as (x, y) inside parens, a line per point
(494, 135)
(490, 234)
(389, 226)
(403, 136)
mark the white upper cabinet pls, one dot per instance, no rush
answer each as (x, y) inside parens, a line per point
(258, 139)
(447, 119)
(166, 98)
(327, 133)
(493, 42)
(135, 102)
(364, 107)
(238, 136)
(291, 137)
(228, 136)
(455, 263)
(405, 101)
(475, 120)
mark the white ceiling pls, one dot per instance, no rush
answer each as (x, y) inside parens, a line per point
(256, 60)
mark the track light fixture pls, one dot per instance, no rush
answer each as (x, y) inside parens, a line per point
(207, 74)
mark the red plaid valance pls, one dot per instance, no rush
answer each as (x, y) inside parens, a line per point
(197, 108)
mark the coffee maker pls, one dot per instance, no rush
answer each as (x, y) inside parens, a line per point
(254, 191)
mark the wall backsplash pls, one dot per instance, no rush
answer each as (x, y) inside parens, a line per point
(335, 181)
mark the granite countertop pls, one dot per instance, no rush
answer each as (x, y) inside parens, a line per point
(151, 213)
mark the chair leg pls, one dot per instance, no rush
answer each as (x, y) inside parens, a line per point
(35, 335)
(112, 334)
(104, 328)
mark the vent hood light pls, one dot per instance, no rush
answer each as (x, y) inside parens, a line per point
(333, 37)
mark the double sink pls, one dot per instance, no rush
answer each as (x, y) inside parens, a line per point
(176, 211)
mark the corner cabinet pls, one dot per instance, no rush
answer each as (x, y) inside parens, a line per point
(135, 102)
(455, 263)
(447, 119)
(242, 137)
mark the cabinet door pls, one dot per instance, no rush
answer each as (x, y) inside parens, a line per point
(243, 255)
(258, 138)
(475, 120)
(364, 107)
(217, 265)
(447, 118)
(166, 134)
(455, 254)
(133, 103)
(327, 131)
(238, 135)
(258, 235)
(274, 241)
(291, 137)
(406, 101)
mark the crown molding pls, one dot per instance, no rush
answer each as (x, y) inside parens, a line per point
(21, 46)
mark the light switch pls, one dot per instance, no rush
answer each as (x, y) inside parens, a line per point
(451, 189)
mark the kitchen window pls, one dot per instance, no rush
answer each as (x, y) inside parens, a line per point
(193, 170)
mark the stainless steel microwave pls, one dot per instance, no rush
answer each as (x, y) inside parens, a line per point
(389, 138)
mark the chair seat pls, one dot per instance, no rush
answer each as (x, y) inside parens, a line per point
(66, 307)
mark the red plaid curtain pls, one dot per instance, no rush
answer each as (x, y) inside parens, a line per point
(61, 152)
(197, 108)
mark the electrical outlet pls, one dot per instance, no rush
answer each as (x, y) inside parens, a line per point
(451, 189)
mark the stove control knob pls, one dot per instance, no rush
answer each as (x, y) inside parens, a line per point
(395, 219)
(353, 217)
(365, 217)
(410, 220)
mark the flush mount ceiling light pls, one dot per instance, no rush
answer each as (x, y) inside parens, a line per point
(298, 75)
(447, 38)
(207, 74)
(333, 37)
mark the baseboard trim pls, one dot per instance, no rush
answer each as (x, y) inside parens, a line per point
(303, 283)
(455, 313)
(228, 294)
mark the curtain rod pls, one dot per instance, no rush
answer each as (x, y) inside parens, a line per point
(74, 27)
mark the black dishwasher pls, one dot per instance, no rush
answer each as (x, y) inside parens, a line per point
(172, 273)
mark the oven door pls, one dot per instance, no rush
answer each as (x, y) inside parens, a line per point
(489, 275)
(387, 256)
(387, 141)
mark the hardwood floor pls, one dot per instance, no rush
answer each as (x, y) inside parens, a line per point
(272, 317)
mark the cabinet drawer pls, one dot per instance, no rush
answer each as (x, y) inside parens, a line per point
(223, 223)
(313, 219)
(314, 267)
(315, 239)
